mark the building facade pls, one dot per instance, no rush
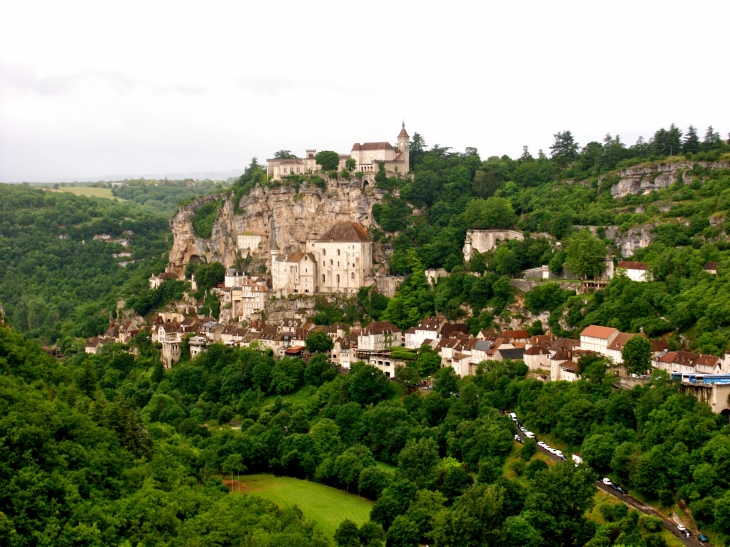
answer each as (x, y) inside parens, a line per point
(367, 157)
(341, 261)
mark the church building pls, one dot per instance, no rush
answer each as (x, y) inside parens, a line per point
(367, 157)
(341, 261)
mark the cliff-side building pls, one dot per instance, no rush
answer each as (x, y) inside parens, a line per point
(367, 156)
(341, 261)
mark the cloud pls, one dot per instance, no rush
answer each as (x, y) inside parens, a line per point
(25, 80)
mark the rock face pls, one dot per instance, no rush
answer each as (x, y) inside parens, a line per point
(638, 237)
(644, 179)
(294, 218)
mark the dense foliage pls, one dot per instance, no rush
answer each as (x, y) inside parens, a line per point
(163, 196)
(56, 280)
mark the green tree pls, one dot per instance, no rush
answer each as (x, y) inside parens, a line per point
(373, 480)
(481, 214)
(446, 381)
(209, 275)
(402, 533)
(319, 342)
(347, 534)
(284, 155)
(418, 461)
(691, 144)
(428, 361)
(564, 150)
(637, 354)
(367, 384)
(585, 254)
(328, 160)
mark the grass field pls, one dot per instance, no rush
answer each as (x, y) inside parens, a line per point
(323, 504)
(89, 191)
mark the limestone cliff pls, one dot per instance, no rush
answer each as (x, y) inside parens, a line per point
(294, 216)
(645, 178)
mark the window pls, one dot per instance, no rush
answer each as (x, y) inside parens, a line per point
(338, 252)
(338, 263)
(324, 252)
(322, 278)
(330, 262)
(352, 275)
(338, 279)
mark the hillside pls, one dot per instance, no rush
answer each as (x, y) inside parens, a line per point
(67, 259)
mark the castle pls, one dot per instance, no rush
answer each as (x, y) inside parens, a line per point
(341, 261)
(367, 156)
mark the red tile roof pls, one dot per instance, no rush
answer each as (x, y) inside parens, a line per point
(596, 331)
(345, 231)
(630, 265)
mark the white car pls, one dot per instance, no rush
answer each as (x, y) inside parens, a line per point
(541, 443)
(530, 434)
(607, 481)
(680, 527)
(559, 454)
(513, 416)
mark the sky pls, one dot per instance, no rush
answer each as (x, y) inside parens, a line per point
(105, 89)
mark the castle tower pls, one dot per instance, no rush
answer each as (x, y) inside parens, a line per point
(404, 147)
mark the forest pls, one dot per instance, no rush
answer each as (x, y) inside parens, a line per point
(59, 283)
(112, 449)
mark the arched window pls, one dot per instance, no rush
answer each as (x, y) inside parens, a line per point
(330, 262)
(338, 252)
(324, 252)
(338, 279)
(352, 275)
(322, 278)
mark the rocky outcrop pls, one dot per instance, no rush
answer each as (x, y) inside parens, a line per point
(293, 216)
(637, 237)
(645, 178)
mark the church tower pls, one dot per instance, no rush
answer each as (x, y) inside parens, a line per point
(404, 148)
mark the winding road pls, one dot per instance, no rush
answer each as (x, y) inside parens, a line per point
(669, 524)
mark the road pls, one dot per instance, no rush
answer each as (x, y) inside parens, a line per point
(669, 524)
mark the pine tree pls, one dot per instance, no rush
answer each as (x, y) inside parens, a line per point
(526, 156)
(712, 139)
(691, 144)
(674, 140)
(564, 149)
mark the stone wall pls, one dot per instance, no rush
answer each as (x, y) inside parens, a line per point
(487, 240)
(388, 284)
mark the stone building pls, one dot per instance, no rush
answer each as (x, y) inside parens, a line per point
(341, 261)
(487, 240)
(250, 241)
(367, 157)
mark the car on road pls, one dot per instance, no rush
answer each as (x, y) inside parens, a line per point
(513, 416)
(559, 454)
(702, 537)
(607, 481)
(518, 439)
(680, 527)
(687, 533)
(619, 489)
(530, 434)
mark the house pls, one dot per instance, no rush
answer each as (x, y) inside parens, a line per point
(569, 371)
(341, 353)
(94, 345)
(250, 241)
(516, 336)
(379, 336)
(596, 338)
(366, 157)
(157, 280)
(636, 271)
(233, 278)
(537, 358)
(513, 354)
(614, 350)
(427, 329)
(480, 351)
(711, 267)
(197, 345)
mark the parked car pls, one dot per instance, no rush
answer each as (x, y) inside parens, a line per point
(680, 527)
(542, 444)
(687, 533)
(513, 416)
(619, 489)
(607, 481)
(702, 537)
(518, 439)
(559, 454)
(530, 434)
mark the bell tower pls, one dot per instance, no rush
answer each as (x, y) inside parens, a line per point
(404, 147)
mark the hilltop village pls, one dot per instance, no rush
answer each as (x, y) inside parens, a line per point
(336, 260)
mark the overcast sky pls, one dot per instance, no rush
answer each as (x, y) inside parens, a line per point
(92, 89)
